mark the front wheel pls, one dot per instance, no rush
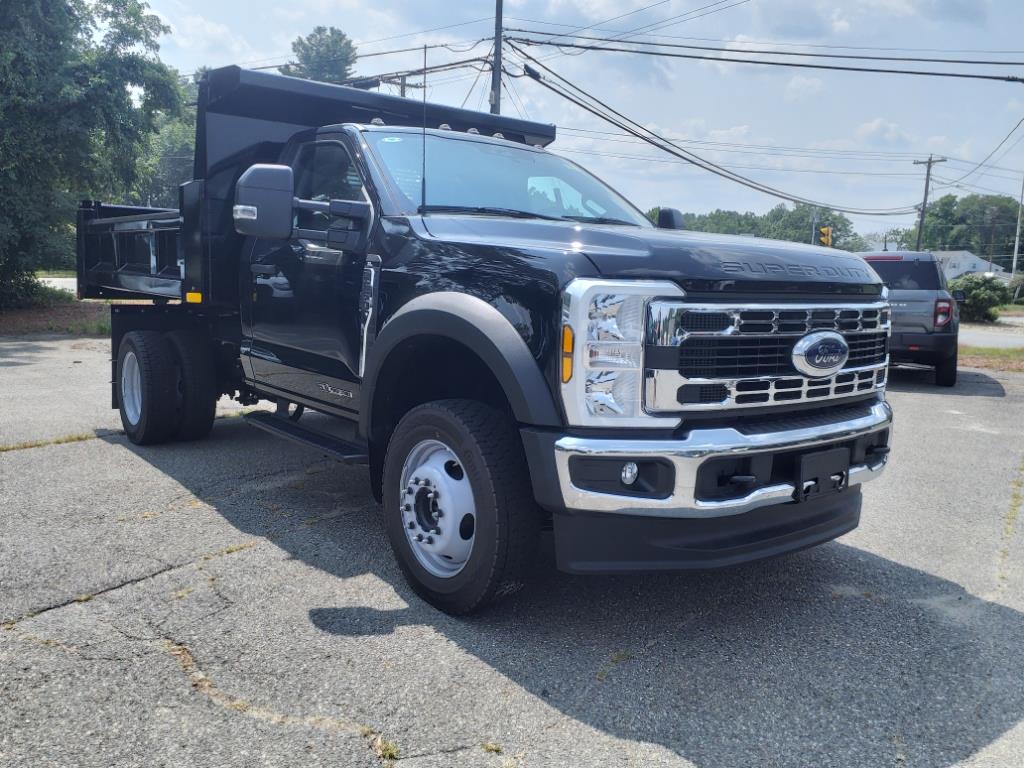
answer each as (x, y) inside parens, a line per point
(458, 503)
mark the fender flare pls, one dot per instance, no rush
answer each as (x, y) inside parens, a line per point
(482, 329)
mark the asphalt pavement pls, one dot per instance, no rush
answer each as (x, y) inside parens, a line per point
(233, 602)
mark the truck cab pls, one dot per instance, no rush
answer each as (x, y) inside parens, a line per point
(507, 343)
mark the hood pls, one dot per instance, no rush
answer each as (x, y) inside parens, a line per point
(699, 262)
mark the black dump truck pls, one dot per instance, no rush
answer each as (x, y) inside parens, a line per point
(506, 343)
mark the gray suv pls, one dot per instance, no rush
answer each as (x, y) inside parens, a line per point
(925, 316)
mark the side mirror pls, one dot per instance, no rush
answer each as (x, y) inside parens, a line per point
(959, 296)
(263, 202)
(670, 218)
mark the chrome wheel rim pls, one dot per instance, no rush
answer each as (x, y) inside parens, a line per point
(131, 388)
(437, 508)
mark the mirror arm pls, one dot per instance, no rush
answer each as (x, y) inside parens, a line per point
(311, 205)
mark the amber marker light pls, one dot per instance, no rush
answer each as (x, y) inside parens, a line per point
(567, 347)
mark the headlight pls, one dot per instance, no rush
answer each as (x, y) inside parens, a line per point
(602, 344)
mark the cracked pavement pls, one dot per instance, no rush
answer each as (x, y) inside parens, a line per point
(234, 602)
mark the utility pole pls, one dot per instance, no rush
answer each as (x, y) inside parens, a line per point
(496, 63)
(401, 86)
(814, 226)
(1016, 239)
(924, 203)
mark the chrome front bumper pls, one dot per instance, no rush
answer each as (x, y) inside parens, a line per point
(688, 454)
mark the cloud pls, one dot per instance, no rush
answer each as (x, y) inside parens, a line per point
(801, 87)
(882, 131)
(208, 39)
(793, 19)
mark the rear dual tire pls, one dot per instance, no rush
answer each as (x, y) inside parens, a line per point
(166, 386)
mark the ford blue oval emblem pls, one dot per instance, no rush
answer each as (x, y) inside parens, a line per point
(819, 355)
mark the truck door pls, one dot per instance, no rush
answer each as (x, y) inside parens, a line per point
(305, 316)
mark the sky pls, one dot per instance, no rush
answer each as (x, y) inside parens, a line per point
(840, 138)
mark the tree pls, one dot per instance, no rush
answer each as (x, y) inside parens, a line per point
(780, 223)
(982, 224)
(82, 88)
(326, 54)
(167, 161)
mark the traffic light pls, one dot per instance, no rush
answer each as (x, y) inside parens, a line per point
(825, 236)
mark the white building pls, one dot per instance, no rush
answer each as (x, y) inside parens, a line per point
(958, 263)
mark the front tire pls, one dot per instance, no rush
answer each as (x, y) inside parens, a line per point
(945, 371)
(465, 460)
(145, 387)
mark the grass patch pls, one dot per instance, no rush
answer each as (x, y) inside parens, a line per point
(385, 749)
(56, 273)
(52, 441)
(1011, 310)
(614, 661)
(491, 747)
(994, 358)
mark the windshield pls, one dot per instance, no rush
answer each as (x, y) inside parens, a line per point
(500, 179)
(908, 275)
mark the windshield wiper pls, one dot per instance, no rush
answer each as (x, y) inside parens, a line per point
(602, 220)
(484, 210)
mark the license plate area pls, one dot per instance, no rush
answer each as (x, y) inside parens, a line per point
(822, 472)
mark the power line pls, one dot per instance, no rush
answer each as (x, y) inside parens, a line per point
(735, 166)
(762, 62)
(674, 23)
(605, 112)
(475, 80)
(791, 45)
(624, 15)
(989, 155)
(861, 57)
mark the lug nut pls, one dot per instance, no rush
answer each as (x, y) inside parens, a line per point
(412, 525)
(419, 537)
(407, 507)
(430, 539)
(416, 481)
(437, 531)
(438, 513)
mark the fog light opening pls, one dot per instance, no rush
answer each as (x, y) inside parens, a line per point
(630, 472)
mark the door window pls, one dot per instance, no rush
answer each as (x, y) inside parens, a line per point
(324, 171)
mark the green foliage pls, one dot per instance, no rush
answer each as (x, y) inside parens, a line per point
(326, 54)
(82, 91)
(167, 159)
(982, 224)
(984, 295)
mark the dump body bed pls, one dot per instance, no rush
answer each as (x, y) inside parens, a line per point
(127, 252)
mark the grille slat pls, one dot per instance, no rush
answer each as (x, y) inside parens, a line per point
(729, 357)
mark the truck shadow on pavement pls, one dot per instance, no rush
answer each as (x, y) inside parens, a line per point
(921, 380)
(830, 657)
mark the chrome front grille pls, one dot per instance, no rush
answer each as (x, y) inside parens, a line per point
(710, 356)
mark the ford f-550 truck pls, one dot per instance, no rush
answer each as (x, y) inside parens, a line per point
(507, 343)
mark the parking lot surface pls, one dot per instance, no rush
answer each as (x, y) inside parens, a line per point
(234, 602)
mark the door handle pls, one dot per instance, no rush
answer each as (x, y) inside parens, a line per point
(315, 248)
(263, 269)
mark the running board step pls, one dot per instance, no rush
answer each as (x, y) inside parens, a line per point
(336, 448)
